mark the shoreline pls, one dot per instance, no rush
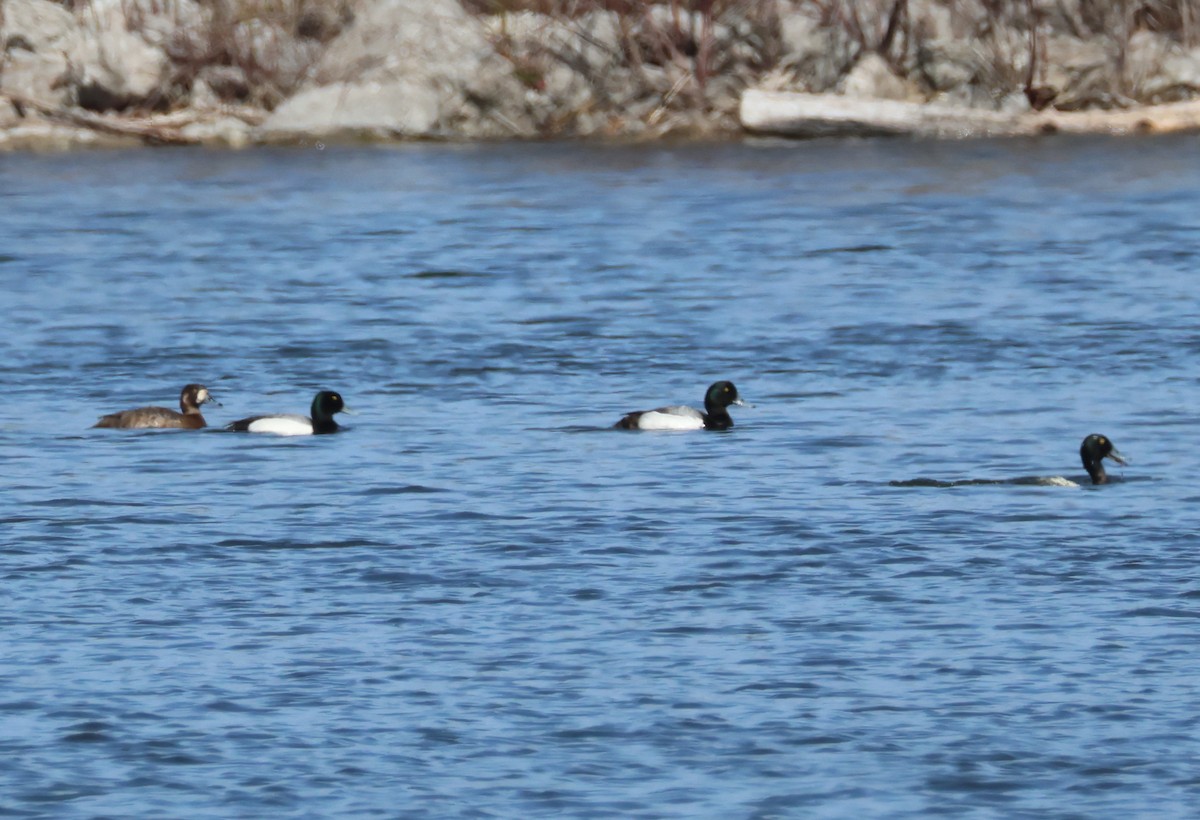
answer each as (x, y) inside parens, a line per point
(771, 116)
(241, 73)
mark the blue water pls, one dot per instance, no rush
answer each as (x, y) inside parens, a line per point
(481, 601)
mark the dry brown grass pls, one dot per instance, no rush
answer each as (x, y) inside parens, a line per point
(1032, 46)
(672, 63)
(246, 51)
(690, 58)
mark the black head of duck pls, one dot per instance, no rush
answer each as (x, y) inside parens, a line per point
(1093, 451)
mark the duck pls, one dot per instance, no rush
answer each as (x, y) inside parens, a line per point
(324, 405)
(1093, 451)
(715, 415)
(190, 399)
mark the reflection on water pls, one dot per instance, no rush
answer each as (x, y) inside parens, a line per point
(479, 599)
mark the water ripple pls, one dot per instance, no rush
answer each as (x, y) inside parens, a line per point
(864, 599)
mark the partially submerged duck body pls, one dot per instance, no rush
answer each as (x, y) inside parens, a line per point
(715, 415)
(190, 417)
(324, 405)
(1092, 452)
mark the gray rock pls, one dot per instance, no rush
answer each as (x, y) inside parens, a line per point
(946, 64)
(1181, 76)
(493, 105)
(322, 22)
(155, 21)
(1013, 102)
(203, 97)
(815, 57)
(933, 22)
(228, 132)
(118, 69)
(1159, 70)
(400, 107)
(215, 84)
(974, 95)
(9, 117)
(587, 44)
(36, 37)
(37, 25)
(40, 135)
(566, 66)
(800, 35)
(1080, 71)
(1001, 64)
(261, 43)
(873, 78)
(598, 39)
(389, 38)
(43, 77)
(400, 68)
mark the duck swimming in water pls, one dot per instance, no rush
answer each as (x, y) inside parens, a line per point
(324, 405)
(1093, 451)
(190, 399)
(714, 417)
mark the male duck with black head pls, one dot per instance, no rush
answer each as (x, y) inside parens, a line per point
(324, 405)
(1093, 451)
(190, 399)
(715, 415)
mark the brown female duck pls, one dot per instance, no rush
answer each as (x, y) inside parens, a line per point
(190, 399)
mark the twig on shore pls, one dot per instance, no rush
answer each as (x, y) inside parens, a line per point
(658, 112)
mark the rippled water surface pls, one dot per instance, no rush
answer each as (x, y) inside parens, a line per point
(481, 601)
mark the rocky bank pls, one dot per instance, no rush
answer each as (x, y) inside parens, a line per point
(244, 72)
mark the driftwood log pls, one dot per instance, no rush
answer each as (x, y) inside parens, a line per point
(154, 129)
(820, 115)
(142, 128)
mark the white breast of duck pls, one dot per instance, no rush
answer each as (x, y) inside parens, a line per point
(284, 424)
(679, 417)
